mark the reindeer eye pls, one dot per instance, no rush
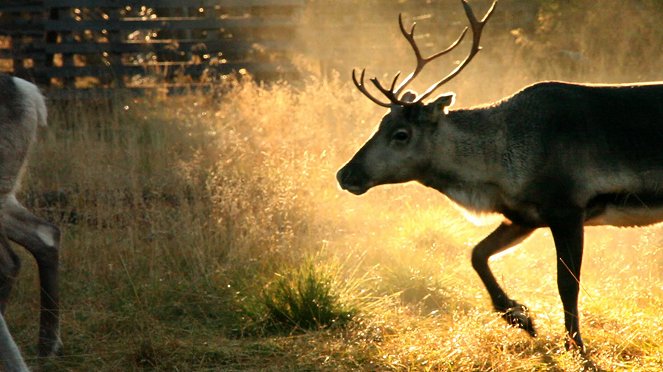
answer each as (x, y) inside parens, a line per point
(400, 135)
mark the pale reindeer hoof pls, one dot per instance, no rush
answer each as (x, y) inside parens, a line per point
(518, 316)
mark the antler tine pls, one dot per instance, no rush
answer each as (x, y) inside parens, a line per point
(362, 88)
(409, 36)
(421, 61)
(476, 27)
(389, 93)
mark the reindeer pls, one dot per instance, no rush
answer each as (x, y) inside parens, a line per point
(554, 155)
(22, 109)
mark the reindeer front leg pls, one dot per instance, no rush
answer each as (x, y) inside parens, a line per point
(42, 240)
(505, 236)
(567, 231)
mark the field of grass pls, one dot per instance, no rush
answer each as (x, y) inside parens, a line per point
(207, 232)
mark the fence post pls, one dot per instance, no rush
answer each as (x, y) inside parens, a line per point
(115, 38)
(62, 13)
(50, 37)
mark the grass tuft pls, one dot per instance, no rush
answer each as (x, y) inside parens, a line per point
(304, 299)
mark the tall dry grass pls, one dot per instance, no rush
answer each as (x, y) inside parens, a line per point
(180, 213)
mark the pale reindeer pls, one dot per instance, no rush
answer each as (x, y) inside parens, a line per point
(22, 110)
(554, 155)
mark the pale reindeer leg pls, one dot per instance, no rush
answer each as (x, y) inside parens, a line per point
(10, 355)
(10, 265)
(12, 361)
(42, 240)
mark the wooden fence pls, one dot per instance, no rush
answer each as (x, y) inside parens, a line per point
(125, 43)
(172, 43)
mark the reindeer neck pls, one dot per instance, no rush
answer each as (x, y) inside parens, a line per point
(466, 154)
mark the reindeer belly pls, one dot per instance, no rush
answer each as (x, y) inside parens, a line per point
(627, 216)
(625, 210)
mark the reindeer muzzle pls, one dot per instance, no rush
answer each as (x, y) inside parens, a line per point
(353, 178)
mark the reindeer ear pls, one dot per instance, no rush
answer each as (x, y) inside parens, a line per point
(409, 96)
(432, 111)
(442, 102)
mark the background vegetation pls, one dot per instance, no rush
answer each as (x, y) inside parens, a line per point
(206, 231)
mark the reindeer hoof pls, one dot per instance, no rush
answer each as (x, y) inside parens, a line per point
(574, 344)
(518, 316)
(50, 348)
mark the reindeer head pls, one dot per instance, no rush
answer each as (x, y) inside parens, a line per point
(400, 150)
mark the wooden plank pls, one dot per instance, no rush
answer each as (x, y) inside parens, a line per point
(230, 48)
(17, 25)
(183, 23)
(172, 3)
(21, 8)
(155, 69)
(212, 46)
(18, 31)
(22, 2)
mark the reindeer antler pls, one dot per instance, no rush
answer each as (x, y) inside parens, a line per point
(421, 62)
(393, 93)
(362, 88)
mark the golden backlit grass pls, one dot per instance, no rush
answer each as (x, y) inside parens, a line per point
(178, 213)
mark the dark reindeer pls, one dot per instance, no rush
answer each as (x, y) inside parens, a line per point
(554, 155)
(22, 110)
